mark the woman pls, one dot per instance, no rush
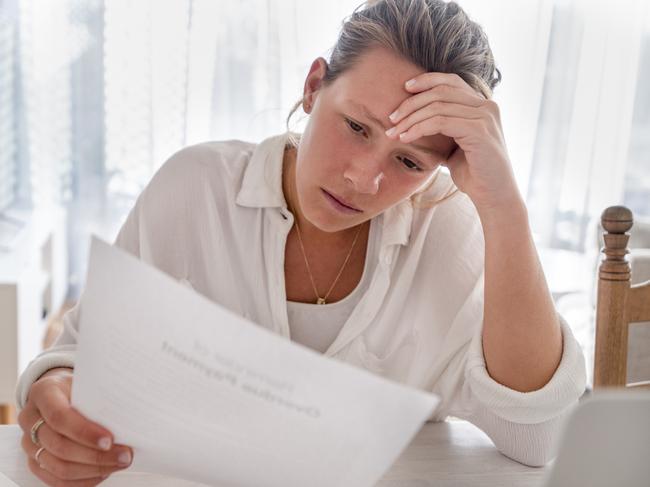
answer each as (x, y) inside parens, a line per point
(350, 240)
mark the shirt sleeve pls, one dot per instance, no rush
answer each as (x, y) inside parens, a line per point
(522, 425)
(145, 234)
(63, 350)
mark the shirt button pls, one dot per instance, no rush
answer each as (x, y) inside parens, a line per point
(387, 259)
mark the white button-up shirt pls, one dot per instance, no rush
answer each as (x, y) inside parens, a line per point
(215, 218)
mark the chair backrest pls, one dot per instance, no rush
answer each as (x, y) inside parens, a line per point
(619, 303)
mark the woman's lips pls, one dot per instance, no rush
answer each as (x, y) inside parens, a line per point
(340, 204)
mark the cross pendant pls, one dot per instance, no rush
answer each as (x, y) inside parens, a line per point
(320, 301)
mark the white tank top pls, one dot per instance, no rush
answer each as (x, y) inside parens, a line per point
(317, 325)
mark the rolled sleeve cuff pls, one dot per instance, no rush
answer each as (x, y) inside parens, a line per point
(50, 359)
(562, 391)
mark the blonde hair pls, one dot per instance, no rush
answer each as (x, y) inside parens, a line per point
(436, 35)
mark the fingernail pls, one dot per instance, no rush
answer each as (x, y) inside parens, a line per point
(393, 115)
(104, 443)
(410, 83)
(124, 458)
(390, 131)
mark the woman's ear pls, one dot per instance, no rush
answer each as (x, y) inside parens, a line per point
(313, 83)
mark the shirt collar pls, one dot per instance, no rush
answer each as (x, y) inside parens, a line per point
(261, 187)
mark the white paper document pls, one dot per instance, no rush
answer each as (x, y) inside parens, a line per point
(203, 394)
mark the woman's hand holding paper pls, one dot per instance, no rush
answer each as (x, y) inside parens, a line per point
(75, 451)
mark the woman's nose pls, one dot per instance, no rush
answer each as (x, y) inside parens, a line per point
(365, 177)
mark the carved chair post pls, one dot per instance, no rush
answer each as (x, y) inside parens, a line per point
(610, 359)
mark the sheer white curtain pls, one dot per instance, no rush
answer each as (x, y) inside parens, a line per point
(519, 36)
(107, 90)
(570, 86)
(177, 73)
(7, 112)
(102, 92)
(583, 151)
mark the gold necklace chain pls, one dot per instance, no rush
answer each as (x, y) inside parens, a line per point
(320, 300)
(323, 300)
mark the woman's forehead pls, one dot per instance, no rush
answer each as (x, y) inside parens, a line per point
(381, 94)
(371, 101)
(374, 112)
(384, 64)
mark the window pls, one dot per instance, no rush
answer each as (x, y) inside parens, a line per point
(7, 112)
(637, 176)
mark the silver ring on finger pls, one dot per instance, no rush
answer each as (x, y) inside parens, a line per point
(34, 431)
(40, 450)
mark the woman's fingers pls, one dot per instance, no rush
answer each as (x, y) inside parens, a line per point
(53, 404)
(49, 479)
(436, 109)
(440, 93)
(66, 449)
(62, 469)
(425, 81)
(73, 452)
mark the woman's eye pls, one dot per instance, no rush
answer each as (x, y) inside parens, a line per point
(355, 126)
(358, 129)
(410, 164)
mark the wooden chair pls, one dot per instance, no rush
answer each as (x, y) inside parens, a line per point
(7, 414)
(619, 303)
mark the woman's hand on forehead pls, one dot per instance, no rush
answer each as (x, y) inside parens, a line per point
(443, 103)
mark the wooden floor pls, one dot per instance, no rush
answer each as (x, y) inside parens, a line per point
(54, 328)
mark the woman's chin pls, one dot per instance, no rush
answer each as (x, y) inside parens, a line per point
(330, 223)
(326, 224)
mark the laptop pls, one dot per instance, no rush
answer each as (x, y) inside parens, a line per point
(605, 442)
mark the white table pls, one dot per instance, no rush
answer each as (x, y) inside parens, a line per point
(453, 453)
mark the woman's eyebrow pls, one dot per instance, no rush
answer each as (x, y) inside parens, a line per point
(368, 114)
(378, 122)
